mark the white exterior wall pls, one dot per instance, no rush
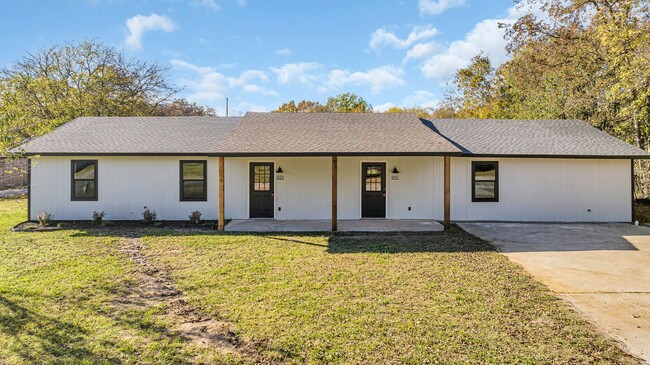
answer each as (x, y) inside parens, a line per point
(305, 192)
(543, 190)
(414, 187)
(125, 186)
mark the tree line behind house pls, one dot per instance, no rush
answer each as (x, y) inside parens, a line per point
(587, 60)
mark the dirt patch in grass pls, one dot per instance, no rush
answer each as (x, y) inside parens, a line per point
(153, 287)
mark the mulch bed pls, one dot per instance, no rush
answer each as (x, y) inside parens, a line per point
(30, 226)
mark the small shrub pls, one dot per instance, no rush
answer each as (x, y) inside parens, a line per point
(195, 217)
(98, 218)
(44, 218)
(148, 216)
(158, 224)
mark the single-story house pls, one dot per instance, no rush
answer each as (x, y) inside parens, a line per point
(331, 166)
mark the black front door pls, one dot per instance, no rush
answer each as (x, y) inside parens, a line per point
(261, 190)
(373, 190)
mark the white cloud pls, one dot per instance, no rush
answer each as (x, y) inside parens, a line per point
(210, 4)
(420, 98)
(303, 72)
(377, 79)
(486, 36)
(436, 7)
(140, 24)
(284, 52)
(206, 84)
(382, 37)
(257, 89)
(381, 108)
(254, 74)
(421, 50)
(241, 2)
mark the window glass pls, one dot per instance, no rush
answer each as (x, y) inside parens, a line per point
(484, 190)
(84, 189)
(84, 180)
(193, 184)
(193, 171)
(84, 170)
(485, 180)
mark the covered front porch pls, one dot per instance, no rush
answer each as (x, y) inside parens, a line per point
(324, 225)
(334, 193)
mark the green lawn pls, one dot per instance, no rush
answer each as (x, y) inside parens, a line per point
(441, 298)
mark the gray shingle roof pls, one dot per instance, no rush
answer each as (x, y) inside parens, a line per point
(333, 133)
(329, 133)
(533, 137)
(134, 135)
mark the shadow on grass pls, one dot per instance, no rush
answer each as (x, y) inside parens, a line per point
(453, 240)
(41, 339)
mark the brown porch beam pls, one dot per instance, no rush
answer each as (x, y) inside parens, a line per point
(447, 221)
(222, 210)
(334, 193)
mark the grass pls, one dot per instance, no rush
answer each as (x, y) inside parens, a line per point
(440, 298)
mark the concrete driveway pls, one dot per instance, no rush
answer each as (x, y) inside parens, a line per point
(602, 269)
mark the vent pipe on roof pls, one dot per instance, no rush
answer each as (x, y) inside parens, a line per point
(226, 106)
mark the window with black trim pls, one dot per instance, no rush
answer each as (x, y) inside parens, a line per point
(194, 181)
(485, 181)
(84, 180)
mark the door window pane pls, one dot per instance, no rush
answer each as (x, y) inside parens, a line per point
(373, 178)
(262, 178)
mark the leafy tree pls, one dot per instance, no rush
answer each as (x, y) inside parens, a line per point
(347, 103)
(182, 107)
(54, 85)
(304, 106)
(587, 60)
(424, 113)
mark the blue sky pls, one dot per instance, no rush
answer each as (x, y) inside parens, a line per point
(260, 53)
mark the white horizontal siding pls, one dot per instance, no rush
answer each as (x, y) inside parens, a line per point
(125, 186)
(543, 190)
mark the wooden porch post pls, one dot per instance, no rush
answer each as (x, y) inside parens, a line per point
(447, 220)
(334, 194)
(222, 210)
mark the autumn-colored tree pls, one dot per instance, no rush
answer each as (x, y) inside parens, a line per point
(54, 85)
(424, 113)
(182, 107)
(587, 60)
(304, 106)
(347, 103)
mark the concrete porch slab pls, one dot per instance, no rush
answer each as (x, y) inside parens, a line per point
(325, 225)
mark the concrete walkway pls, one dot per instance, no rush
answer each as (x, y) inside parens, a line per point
(601, 269)
(12, 192)
(325, 225)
